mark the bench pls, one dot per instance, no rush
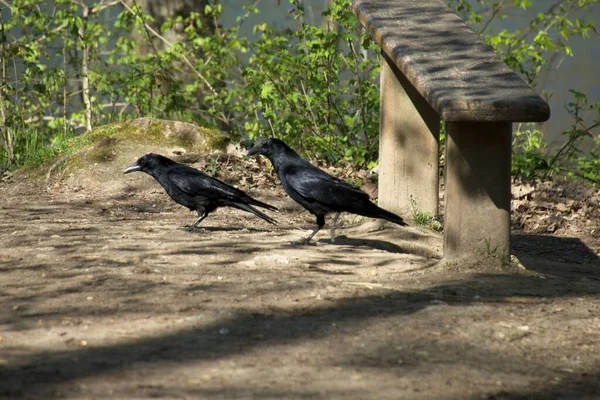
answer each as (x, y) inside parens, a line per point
(435, 68)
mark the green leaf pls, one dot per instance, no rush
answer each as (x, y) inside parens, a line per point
(266, 90)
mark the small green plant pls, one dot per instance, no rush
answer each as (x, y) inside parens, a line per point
(570, 158)
(211, 167)
(530, 158)
(31, 148)
(493, 253)
(424, 218)
(356, 181)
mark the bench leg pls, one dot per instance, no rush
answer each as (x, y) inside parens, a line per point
(477, 191)
(408, 146)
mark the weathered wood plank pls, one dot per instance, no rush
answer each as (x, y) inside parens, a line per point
(477, 191)
(458, 75)
(409, 135)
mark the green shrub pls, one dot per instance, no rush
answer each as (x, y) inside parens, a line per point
(316, 87)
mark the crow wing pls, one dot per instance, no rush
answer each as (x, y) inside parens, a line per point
(316, 185)
(195, 183)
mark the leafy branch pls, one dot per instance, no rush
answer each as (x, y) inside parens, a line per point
(183, 57)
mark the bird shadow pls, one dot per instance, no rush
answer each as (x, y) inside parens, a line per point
(315, 269)
(208, 229)
(343, 240)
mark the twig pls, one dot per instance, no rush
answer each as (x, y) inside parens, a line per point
(495, 11)
(40, 39)
(107, 105)
(363, 108)
(125, 106)
(65, 89)
(312, 114)
(290, 103)
(551, 11)
(31, 120)
(271, 125)
(568, 145)
(102, 5)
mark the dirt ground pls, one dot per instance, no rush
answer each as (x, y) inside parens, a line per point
(105, 296)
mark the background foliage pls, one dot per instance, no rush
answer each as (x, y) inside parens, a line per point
(69, 65)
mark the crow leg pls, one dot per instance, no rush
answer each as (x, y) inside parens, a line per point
(194, 226)
(320, 224)
(201, 216)
(332, 227)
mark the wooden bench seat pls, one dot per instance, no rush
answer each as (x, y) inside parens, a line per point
(435, 68)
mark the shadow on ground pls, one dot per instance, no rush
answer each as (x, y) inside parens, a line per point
(426, 321)
(38, 374)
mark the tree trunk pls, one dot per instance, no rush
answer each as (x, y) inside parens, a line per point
(7, 133)
(85, 79)
(162, 10)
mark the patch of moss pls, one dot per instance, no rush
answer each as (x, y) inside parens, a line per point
(127, 131)
(216, 139)
(100, 144)
(104, 132)
(133, 132)
(103, 151)
(154, 133)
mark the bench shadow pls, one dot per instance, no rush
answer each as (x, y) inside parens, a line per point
(45, 374)
(563, 257)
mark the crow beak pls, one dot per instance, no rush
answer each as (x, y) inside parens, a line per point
(132, 168)
(254, 151)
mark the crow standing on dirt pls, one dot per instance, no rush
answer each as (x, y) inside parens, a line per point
(196, 190)
(316, 190)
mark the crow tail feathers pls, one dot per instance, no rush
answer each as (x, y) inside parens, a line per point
(257, 203)
(250, 209)
(375, 211)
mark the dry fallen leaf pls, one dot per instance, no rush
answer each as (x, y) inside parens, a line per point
(522, 190)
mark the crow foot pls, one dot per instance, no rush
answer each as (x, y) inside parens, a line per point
(192, 228)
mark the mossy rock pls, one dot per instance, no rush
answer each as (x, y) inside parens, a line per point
(148, 131)
(97, 158)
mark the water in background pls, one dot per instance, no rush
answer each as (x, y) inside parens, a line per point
(581, 73)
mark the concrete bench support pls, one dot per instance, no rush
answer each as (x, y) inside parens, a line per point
(434, 67)
(477, 182)
(408, 146)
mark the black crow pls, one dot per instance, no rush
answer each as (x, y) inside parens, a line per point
(196, 190)
(316, 190)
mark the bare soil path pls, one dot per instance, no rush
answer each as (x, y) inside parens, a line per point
(108, 298)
